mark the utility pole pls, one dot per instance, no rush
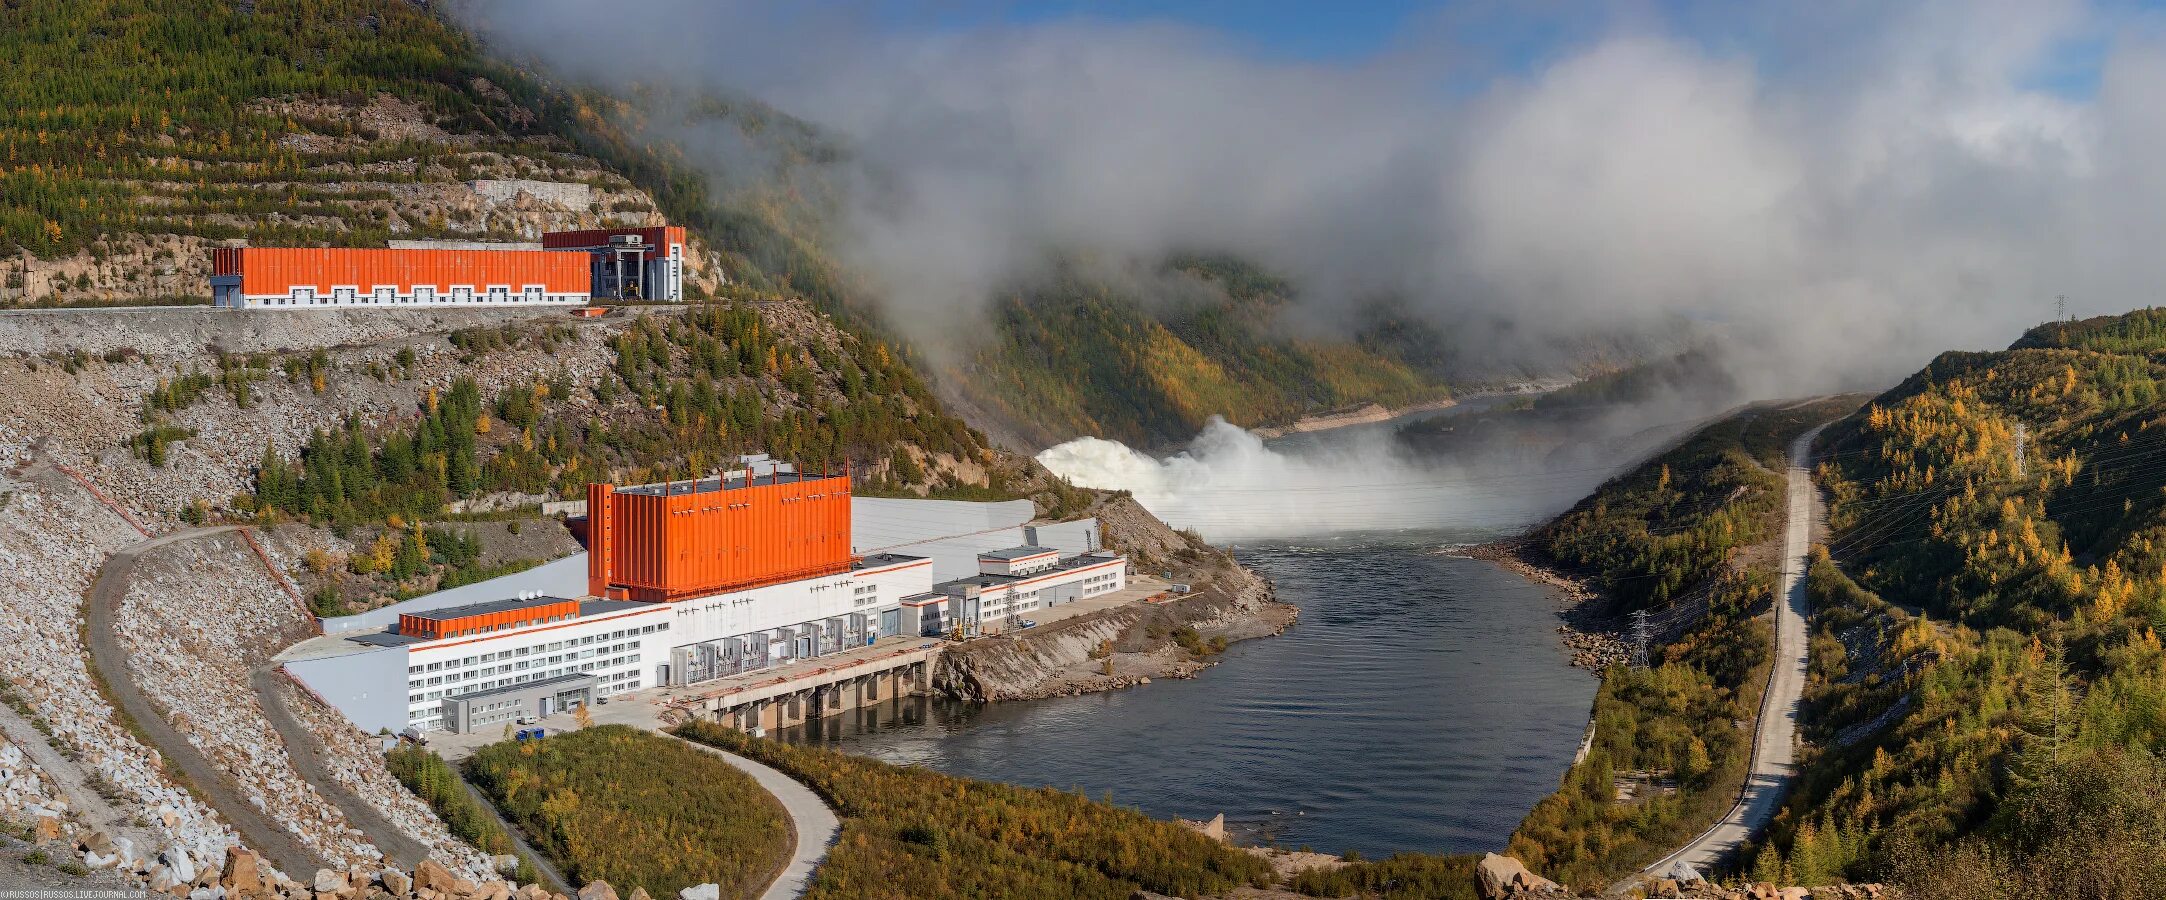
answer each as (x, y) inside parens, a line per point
(1641, 631)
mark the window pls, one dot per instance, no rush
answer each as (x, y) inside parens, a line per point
(413, 670)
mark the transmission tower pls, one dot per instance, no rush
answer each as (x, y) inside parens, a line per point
(1642, 631)
(2060, 308)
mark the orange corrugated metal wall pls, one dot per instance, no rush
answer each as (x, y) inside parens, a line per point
(422, 624)
(278, 270)
(687, 544)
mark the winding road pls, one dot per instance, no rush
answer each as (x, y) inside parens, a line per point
(303, 749)
(815, 823)
(110, 659)
(1774, 742)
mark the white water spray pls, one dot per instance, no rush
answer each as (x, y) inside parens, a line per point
(1230, 485)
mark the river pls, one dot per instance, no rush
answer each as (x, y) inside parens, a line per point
(1423, 703)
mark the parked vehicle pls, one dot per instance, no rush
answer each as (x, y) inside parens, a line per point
(601, 701)
(1030, 623)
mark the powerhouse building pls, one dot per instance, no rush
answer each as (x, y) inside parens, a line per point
(686, 582)
(571, 268)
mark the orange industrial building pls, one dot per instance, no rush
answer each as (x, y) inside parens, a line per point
(248, 277)
(734, 531)
(483, 618)
(572, 268)
(692, 581)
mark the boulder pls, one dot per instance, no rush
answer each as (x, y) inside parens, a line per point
(395, 882)
(98, 842)
(431, 875)
(640, 893)
(161, 878)
(495, 890)
(243, 875)
(92, 859)
(178, 862)
(1683, 873)
(330, 882)
(1793, 893)
(1498, 876)
(597, 890)
(701, 892)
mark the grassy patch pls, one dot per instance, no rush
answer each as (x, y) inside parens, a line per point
(434, 781)
(915, 833)
(635, 809)
(1404, 876)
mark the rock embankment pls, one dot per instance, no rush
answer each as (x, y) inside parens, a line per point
(232, 616)
(1117, 647)
(1499, 877)
(53, 537)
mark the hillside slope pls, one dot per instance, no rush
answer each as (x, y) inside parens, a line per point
(1984, 708)
(368, 454)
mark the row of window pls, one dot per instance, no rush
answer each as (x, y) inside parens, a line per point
(519, 666)
(390, 296)
(433, 696)
(536, 648)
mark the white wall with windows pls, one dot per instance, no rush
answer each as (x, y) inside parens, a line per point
(399, 295)
(620, 648)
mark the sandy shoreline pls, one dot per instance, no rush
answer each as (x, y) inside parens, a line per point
(1366, 414)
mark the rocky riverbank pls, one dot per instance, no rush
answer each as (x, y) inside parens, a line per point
(1365, 414)
(1118, 647)
(1595, 640)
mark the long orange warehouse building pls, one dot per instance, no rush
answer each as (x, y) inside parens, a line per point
(569, 267)
(309, 276)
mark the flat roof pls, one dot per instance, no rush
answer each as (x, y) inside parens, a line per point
(718, 483)
(1080, 561)
(1013, 553)
(598, 607)
(884, 560)
(384, 639)
(486, 607)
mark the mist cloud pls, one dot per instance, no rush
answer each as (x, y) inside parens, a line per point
(1847, 189)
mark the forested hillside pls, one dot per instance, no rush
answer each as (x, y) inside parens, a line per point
(1688, 538)
(1989, 692)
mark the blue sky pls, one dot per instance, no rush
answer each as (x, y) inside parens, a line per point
(1509, 37)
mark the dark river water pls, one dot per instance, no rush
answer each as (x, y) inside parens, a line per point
(1423, 703)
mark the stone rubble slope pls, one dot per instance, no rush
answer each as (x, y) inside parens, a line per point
(196, 628)
(196, 620)
(53, 538)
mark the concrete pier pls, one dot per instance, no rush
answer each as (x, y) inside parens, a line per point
(794, 698)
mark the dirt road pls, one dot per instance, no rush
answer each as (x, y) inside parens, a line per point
(1774, 743)
(218, 788)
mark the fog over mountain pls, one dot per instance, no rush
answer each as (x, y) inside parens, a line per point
(1845, 189)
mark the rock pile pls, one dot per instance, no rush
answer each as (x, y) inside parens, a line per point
(242, 875)
(1594, 651)
(1697, 889)
(1498, 877)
